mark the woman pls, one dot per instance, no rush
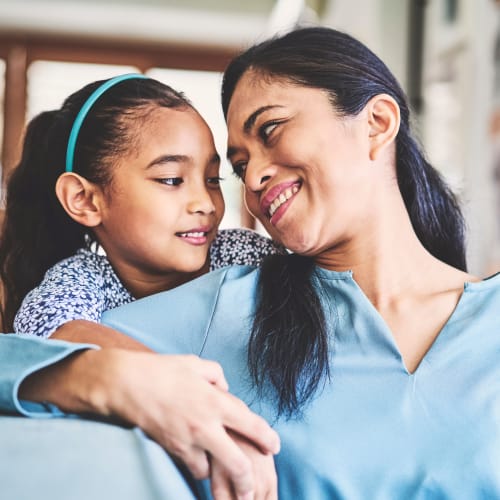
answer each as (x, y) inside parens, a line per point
(359, 345)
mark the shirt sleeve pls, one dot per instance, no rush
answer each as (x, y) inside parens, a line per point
(242, 247)
(72, 289)
(22, 355)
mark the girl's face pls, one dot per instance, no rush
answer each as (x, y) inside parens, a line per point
(304, 167)
(163, 207)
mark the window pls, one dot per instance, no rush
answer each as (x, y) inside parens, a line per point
(202, 88)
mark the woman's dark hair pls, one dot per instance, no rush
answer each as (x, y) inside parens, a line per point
(37, 232)
(352, 74)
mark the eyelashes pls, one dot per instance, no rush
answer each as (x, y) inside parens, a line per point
(177, 181)
(266, 130)
(239, 170)
(265, 133)
(215, 181)
(170, 181)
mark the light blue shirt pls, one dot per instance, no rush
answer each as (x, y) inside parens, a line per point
(375, 431)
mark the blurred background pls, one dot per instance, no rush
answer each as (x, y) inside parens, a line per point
(446, 54)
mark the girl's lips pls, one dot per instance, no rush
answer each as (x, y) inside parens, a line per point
(198, 236)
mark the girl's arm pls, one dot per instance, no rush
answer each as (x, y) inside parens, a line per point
(180, 401)
(96, 333)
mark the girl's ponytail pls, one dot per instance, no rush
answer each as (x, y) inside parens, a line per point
(36, 232)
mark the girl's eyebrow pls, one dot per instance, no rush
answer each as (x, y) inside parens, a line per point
(179, 159)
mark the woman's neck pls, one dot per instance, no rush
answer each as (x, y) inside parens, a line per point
(387, 259)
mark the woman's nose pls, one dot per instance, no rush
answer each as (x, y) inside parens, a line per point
(258, 174)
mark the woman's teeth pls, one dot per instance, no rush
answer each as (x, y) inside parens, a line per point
(283, 196)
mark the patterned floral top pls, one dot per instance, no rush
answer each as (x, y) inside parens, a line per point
(85, 285)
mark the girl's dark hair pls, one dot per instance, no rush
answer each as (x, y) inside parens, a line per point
(37, 232)
(327, 59)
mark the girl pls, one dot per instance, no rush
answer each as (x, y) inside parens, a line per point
(138, 176)
(129, 166)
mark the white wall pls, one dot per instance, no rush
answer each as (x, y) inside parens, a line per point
(458, 99)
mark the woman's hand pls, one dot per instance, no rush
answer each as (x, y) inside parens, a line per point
(179, 401)
(264, 472)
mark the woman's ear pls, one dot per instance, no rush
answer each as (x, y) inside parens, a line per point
(80, 198)
(383, 121)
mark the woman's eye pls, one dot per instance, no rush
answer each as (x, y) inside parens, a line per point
(171, 181)
(239, 169)
(266, 130)
(214, 181)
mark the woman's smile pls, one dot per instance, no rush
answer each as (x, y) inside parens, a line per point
(277, 200)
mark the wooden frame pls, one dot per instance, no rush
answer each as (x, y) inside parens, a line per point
(20, 51)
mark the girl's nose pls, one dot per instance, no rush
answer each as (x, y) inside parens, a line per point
(201, 202)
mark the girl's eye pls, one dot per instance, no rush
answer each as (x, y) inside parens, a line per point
(171, 181)
(214, 181)
(266, 130)
(239, 169)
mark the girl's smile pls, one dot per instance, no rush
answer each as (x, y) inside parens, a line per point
(198, 236)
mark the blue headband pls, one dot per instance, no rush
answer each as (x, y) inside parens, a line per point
(73, 136)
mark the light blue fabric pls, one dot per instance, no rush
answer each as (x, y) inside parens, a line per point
(22, 355)
(375, 431)
(75, 459)
(71, 458)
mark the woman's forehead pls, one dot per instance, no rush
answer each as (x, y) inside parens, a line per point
(254, 92)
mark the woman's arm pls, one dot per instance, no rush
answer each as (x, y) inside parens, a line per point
(180, 401)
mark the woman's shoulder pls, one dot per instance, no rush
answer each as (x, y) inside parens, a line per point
(241, 247)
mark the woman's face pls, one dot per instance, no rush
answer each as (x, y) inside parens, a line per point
(306, 169)
(164, 204)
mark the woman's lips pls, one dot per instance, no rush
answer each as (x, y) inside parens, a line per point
(278, 198)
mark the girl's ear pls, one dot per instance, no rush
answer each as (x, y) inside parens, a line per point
(383, 121)
(80, 198)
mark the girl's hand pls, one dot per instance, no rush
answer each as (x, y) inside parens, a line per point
(264, 475)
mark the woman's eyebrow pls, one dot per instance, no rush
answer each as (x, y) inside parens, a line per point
(250, 121)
